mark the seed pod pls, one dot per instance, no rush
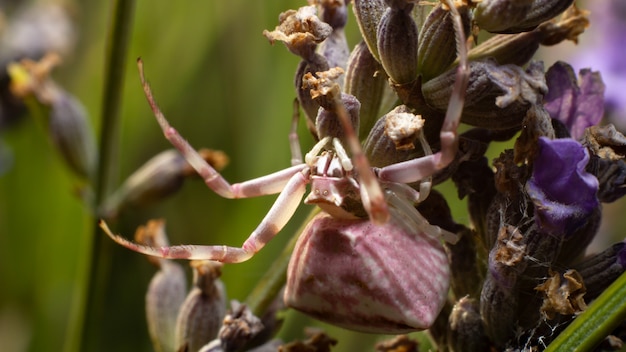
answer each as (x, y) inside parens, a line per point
(157, 179)
(201, 314)
(466, 332)
(397, 44)
(72, 134)
(368, 15)
(366, 80)
(437, 45)
(166, 292)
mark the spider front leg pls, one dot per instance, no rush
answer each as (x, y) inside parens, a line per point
(282, 210)
(270, 184)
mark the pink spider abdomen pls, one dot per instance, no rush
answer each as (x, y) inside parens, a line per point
(368, 278)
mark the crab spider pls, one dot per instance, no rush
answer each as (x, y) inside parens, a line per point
(369, 242)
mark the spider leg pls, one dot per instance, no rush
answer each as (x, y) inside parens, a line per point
(270, 184)
(371, 193)
(282, 210)
(420, 168)
(403, 210)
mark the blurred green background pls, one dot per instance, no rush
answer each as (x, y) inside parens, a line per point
(222, 86)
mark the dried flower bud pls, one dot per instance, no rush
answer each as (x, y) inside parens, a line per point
(240, 326)
(72, 134)
(204, 308)
(564, 297)
(166, 292)
(397, 44)
(367, 81)
(300, 30)
(513, 16)
(335, 48)
(466, 332)
(403, 129)
(381, 149)
(158, 178)
(368, 14)
(497, 96)
(437, 45)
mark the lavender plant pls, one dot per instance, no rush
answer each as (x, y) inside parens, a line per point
(384, 254)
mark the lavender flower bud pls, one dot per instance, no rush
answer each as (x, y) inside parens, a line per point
(158, 178)
(467, 272)
(513, 16)
(436, 44)
(397, 43)
(499, 15)
(497, 96)
(367, 81)
(166, 292)
(204, 308)
(368, 15)
(466, 332)
(67, 121)
(72, 134)
(600, 270)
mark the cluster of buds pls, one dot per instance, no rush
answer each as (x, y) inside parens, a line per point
(520, 268)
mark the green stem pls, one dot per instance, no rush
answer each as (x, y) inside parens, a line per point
(595, 323)
(85, 312)
(274, 279)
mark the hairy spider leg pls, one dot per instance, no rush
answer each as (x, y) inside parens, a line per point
(290, 183)
(420, 168)
(283, 209)
(371, 193)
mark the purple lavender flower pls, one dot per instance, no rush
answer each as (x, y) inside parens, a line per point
(563, 193)
(604, 45)
(576, 107)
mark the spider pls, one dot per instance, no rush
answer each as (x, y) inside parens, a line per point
(369, 261)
